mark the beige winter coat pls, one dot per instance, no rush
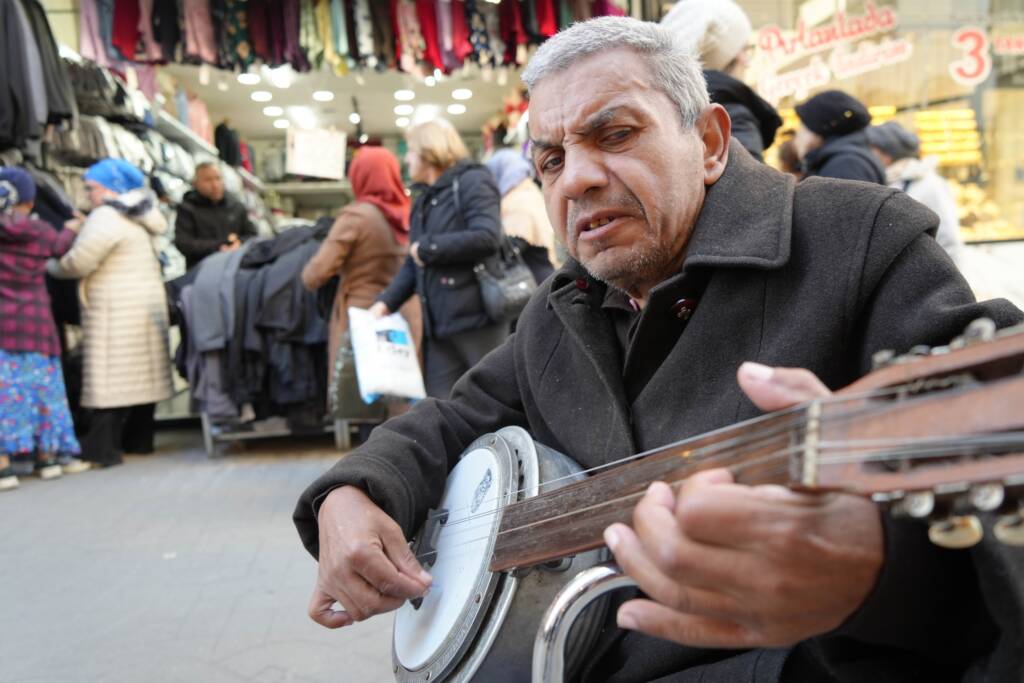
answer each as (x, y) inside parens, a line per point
(124, 306)
(523, 214)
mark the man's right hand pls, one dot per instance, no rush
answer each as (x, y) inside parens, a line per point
(365, 562)
(379, 310)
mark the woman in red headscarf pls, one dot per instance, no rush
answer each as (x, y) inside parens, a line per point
(366, 245)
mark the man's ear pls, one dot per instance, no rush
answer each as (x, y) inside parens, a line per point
(714, 126)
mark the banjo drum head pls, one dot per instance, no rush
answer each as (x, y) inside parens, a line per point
(429, 640)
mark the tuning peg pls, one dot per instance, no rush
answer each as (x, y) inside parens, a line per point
(986, 497)
(1009, 529)
(920, 350)
(956, 532)
(980, 330)
(883, 358)
(916, 504)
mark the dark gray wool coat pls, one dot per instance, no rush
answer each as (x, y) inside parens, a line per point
(818, 275)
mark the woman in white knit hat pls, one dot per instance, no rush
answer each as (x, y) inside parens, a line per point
(718, 32)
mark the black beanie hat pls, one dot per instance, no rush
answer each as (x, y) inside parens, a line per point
(833, 113)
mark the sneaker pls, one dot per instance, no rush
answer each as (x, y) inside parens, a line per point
(74, 466)
(48, 470)
(8, 480)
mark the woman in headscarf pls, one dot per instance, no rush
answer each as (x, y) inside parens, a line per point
(523, 213)
(34, 415)
(126, 366)
(366, 245)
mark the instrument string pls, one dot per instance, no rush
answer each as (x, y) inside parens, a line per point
(932, 447)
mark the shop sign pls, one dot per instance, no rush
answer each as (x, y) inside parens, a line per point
(982, 54)
(316, 153)
(780, 45)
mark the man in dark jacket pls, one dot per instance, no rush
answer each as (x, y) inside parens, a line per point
(689, 260)
(209, 220)
(831, 140)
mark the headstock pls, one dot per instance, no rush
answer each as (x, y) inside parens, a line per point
(937, 434)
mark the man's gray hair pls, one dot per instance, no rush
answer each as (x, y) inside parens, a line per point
(674, 69)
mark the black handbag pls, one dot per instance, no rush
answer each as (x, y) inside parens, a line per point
(506, 282)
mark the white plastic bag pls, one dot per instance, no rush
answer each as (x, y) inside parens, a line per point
(386, 362)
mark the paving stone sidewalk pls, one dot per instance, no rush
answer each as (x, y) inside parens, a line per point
(173, 567)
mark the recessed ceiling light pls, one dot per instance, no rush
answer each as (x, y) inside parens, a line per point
(272, 110)
(430, 81)
(456, 109)
(281, 123)
(248, 79)
(402, 122)
(323, 96)
(462, 94)
(363, 138)
(354, 118)
(404, 95)
(261, 96)
(404, 109)
(303, 117)
(282, 76)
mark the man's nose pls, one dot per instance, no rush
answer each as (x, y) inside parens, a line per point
(584, 171)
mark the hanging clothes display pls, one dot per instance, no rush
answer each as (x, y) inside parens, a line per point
(125, 28)
(200, 44)
(427, 16)
(60, 97)
(231, 20)
(309, 35)
(151, 51)
(383, 33)
(258, 19)
(166, 28)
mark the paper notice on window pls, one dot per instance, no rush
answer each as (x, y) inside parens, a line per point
(317, 153)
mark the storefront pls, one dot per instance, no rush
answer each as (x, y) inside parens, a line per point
(952, 71)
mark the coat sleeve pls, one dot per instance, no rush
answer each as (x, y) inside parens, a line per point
(97, 239)
(481, 217)
(330, 258)
(850, 167)
(187, 240)
(925, 597)
(402, 286)
(404, 464)
(247, 229)
(746, 129)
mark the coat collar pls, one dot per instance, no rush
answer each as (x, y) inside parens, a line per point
(746, 222)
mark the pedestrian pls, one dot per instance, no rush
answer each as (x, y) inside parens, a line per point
(126, 368)
(831, 141)
(899, 150)
(209, 219)
(366, 246)
(34, 415)
(455, 225)
(704, 288)
(522, 205)
(718, 33)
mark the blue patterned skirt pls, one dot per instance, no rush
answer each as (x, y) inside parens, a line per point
(34, 415)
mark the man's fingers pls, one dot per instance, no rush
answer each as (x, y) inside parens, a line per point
(399, 552)
(657, 620)
(321, 610)
(778, 388)
(366, 600)
(370, 562)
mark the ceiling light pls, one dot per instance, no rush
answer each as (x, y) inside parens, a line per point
(430, 81)
(462, 94)
(426, 112)
(363, 138)
(248, 79)
(272, 110)
(404, 109)
(281, 77)
(222, 85)
(456, 109)
(281, 123)
(261, 96)
(323, 96)
(404, 95)
(402, 122)
(354, 118)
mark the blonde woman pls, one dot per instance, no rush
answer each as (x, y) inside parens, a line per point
(455, 224)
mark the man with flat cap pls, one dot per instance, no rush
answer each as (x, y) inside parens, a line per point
(831, 141)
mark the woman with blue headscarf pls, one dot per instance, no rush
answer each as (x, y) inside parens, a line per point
(523, 213)
(126, 366)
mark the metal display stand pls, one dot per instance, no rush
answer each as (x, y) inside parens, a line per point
(213, 437)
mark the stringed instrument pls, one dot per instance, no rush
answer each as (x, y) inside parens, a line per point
(936, 434)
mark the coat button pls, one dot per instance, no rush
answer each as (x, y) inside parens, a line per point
(683, 308)
(433, 202)
(582, 284)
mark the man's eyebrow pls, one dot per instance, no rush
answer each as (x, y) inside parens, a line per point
(593, 122)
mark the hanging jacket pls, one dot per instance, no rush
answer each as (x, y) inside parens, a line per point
(453, 237)
(17, 124)
(754, 121)
(60, 97)
(847, 157)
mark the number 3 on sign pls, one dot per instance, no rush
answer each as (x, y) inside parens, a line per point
(976, 64)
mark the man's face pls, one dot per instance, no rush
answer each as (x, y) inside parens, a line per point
(806, 141)
(623, 181)
(209, 183)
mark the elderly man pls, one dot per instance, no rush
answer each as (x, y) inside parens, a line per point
(689, 258)
(209, 219)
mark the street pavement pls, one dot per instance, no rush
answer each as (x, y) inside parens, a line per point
(173, 567)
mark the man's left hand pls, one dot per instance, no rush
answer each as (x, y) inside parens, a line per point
(414, 251)
(727, 565)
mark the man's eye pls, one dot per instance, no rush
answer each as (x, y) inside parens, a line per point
(551, 163)
(617, 136)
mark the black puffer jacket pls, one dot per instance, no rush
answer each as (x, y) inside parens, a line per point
(202, 226)
(754, 121)
(453, 237)
(847, 157)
